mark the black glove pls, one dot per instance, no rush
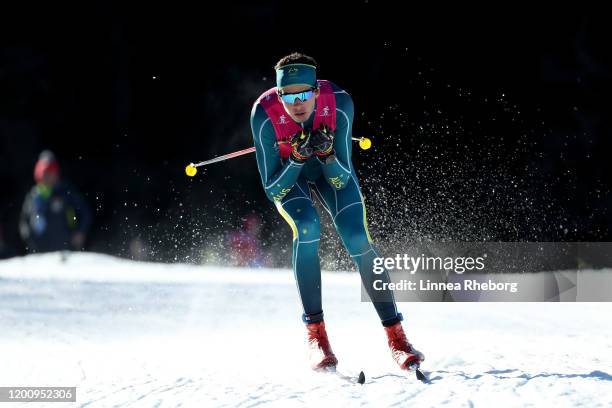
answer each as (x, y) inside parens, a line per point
(322, 141)
(300, 146)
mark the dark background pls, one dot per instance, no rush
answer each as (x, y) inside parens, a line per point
(488, 124)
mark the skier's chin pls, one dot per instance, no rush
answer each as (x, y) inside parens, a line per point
(300, 117)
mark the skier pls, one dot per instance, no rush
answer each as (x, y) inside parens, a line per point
(302, 131)
(54, 215)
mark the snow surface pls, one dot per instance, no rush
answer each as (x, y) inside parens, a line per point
(130, 334)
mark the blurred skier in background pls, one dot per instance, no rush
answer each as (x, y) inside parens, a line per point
(54, 215)
(302, 131)
(245, 243)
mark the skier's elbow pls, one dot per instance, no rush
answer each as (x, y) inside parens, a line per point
(277, 194)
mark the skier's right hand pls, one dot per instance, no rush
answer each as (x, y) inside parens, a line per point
(300, 146)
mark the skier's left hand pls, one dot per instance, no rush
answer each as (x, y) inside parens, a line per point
(322, 141)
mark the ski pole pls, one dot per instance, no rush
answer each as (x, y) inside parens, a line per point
(192, 168)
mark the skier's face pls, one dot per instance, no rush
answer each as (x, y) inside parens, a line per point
(50, 178)
(299, 110)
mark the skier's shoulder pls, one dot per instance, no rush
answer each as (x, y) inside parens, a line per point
(259, 120)
(69, 192)
(344, 101)
(257, 110)
(262, 129)
(32, 192)
(64, 188)
(29, 198)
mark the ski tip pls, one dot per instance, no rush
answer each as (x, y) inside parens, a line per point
(361, 378)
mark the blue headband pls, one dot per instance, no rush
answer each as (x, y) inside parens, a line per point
(296, 74)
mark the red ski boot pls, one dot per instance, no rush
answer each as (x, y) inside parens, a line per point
(403, 353)
(321, 354)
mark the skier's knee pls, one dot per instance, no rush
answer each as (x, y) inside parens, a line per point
(308, 229)
(357, 243)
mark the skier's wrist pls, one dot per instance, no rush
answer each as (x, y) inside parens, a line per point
(297, 158)
(324, 154)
